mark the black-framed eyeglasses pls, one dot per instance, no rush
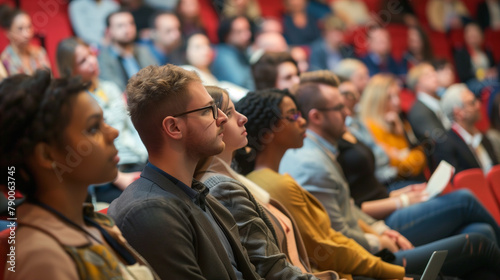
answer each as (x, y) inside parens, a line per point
(337, 108)
(293, 117)
(215, 111)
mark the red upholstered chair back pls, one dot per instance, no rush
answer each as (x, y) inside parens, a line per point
(475, 181)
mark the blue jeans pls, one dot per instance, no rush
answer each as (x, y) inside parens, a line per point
(444, 216)
(467, 254)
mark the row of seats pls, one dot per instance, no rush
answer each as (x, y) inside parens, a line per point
(486, 188)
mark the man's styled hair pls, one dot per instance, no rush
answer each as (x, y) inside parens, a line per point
(308, 94)
(154, 93)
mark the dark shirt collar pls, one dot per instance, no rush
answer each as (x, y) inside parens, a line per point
(197, 193)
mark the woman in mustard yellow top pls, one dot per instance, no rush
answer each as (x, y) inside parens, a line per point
(275, 125)
(379, 110)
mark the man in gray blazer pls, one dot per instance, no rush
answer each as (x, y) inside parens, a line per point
(168, 217)
(122, 58)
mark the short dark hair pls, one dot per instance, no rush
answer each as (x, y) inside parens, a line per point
(265, 70)
(155, 92)
(119, 11)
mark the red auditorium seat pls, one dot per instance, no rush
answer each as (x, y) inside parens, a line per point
(209, 19)
(272, 8)
(475, 181)
(493, 178)
(399, 39)
(492, 42)
(407, 98)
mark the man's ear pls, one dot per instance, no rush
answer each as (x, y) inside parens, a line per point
(172, 127)
(314, 116)
(43, 155)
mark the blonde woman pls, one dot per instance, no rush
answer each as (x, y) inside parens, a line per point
(380, 111)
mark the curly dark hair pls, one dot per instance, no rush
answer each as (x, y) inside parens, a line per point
(262, 108)
(265, 70)
(34, 109)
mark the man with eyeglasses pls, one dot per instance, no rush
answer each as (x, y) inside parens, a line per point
(315, 167)
(168, 217)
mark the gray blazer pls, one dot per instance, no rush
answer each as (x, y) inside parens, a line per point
(112, 70)
(170, 231)
(256, 230)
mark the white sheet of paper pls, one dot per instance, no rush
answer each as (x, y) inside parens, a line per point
(440, 178)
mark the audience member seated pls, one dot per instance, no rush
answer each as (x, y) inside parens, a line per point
(199, 55)
(488, 14)
(419, 49)
(88, 19)
(58, 237)
(246, 8)
(122, 58)
(185, 233)
(300, 26)
(275, 70)
(385, 173)
(252, 212)
(231, 60)
(274, 126)
(493, 132)
(329, 50)
(379, 58)
(445, 74)
(380, 111)
(142, 14)
(475, 65)
(355, 71)
(166, 39)
(20, 56)
(267, 42)
(446, 15)
(426, 117)
(188, 12)
(75, 58)
(353, 13)
(314, 166)
(300, 55)
(465, 147)
(398, 11)
(271, 24)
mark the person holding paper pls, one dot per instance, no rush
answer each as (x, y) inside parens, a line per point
(423, 222)
(275, 127)
(464, 146)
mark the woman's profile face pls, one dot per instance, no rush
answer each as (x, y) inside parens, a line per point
(393, 101)
(21, 30)
(235, 134)
(291, 129)
(415, 43)
(199, 52)
(85, 63)
(89, 155)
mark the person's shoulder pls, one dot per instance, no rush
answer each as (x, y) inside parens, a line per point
(40, 253)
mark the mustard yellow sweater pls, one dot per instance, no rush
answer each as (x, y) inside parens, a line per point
(327, 249)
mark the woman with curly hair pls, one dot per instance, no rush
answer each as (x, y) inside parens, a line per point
(59, 144)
